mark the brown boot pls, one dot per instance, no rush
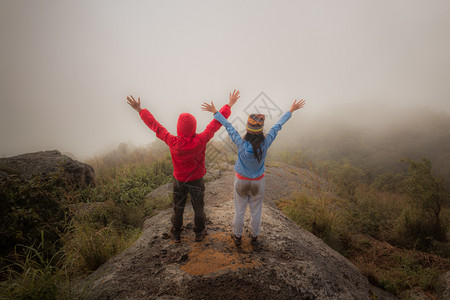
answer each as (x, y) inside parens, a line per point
(199, 236)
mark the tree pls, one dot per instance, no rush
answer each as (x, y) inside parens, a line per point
(430, 195)
(348, 178)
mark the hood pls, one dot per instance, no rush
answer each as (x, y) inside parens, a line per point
(187, 125)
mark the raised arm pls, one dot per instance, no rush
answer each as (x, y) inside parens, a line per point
(234, 135)
(150, 121)
(297, 105)
(284, 118)
(214, 125)
(136, 105)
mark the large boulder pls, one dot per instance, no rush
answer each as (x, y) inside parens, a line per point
(32, 198)
(47, 164)
(289, 263)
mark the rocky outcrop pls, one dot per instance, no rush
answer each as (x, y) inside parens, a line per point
(288, 263)
(46, 164)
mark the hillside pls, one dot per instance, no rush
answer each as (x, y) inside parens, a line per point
(288, 263)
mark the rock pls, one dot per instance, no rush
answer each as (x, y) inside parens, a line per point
(161, 192)
(288, 263)
(46, 164)
(444, 286)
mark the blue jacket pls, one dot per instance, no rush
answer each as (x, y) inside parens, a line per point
(247, 165)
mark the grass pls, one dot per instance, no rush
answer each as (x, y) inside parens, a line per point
(397, 270)
(319, 213)
(361, 229)
(93, 247)
(33, 276)
(8, 169)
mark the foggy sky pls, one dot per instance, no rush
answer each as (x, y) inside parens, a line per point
(66, 67)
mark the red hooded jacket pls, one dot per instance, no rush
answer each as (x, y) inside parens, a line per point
(188, 148)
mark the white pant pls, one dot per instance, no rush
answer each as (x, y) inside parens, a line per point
(251, 192)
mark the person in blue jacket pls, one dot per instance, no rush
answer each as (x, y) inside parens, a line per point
(249, 183)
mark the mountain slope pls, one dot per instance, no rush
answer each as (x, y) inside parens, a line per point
(289, 262)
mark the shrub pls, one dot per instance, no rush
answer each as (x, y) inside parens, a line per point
(392, 183)
(429, 199)
(319, 214)
(374, 213)
(29, 208)
(347, 179)
(129, 184)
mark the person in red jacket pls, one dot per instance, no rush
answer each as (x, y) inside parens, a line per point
(188, 157)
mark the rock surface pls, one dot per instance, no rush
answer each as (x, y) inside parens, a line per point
(47, 163)
(444, 286)
(288, 263)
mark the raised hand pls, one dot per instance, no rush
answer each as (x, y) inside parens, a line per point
(209, 107)
(234, 97)
(297, 105)
(136, 105)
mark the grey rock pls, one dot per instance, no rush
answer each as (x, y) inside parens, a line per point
(46, 164)
(161, 192)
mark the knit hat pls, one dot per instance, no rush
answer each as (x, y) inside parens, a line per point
(255, 123)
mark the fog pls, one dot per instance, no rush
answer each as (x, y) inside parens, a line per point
(68, 66)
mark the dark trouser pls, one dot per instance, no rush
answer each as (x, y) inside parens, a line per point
(196, 189)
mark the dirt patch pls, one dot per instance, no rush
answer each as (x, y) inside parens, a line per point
(217, 253)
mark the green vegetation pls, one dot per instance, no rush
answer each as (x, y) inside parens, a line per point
(393, 227)
(390, 218)
(28, 210)
(52, 233)
(429, 199)
(33, 276)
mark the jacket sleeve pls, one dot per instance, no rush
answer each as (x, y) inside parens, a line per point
(154, 125)
(277, 127)
(234, 135)
(214, 125)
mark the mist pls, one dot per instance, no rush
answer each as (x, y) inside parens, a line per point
(375, 139)
(68, 66)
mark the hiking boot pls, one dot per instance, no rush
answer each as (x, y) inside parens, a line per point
(176, 237)
(199, 236)
(254, 240)
(237, 240)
